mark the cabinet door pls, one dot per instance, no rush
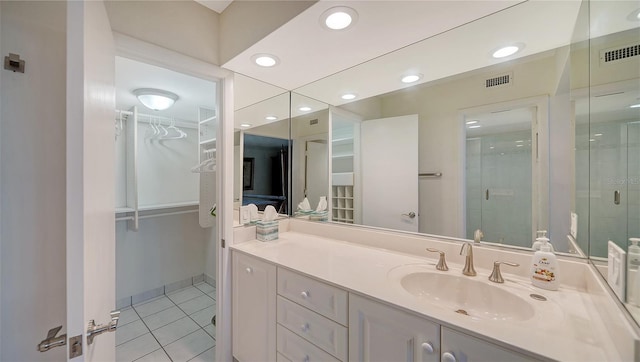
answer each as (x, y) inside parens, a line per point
(459, 347)
(254, 309)
(381, 333)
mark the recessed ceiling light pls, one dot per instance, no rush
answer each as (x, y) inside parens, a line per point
(506, 51)
(265, 60)
(156, 99)
(411, 78)
(491, 147)
(635, 105)
(519, 145)
(245, 125)
(597, 134)
(338, 18)
(475, 126)
(471, 122)
(591, 140)
(270, 118)
(634, 15)
(348, 96)
(305, 109)
(519, 141)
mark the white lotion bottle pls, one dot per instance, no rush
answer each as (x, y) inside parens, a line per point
(544, 267)
(633, 270)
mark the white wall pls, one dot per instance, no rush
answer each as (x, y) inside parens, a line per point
(164, 250)
(32, 184)
(183, 26)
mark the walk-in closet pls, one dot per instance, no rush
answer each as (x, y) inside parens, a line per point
(165, 143)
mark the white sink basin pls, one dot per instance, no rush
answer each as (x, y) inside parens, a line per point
(467, 296)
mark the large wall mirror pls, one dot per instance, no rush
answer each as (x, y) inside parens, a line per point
(475, 142)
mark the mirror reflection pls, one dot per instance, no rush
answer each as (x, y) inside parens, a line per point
(467, 146)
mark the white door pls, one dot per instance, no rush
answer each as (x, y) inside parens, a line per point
(90, 176)
(316, 173)
(389, 153)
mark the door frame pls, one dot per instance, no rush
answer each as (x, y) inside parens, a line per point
(131, 48)
(540, 192)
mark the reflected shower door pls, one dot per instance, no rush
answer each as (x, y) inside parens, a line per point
(633, 179)
(506, 185)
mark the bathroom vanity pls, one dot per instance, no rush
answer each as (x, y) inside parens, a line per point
(341, 297)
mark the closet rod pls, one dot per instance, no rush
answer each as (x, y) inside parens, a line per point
(125, 218)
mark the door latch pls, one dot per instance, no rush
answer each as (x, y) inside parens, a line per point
(93, 330)
(52, 341)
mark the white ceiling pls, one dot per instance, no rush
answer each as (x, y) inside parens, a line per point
(216, 5)
(308, 51)
(193, 92)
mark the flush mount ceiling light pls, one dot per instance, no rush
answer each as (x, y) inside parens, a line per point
(471, 122)
(338, 18)
(475, 126)
(245, 125)
(305, 109)
(265, 60)
(634, 15)
(156, 99)
(270, 118)
(506, 51)
(635, 105)
(411, 78)
(348, 96)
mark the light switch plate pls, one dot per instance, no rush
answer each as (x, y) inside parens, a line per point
(617, 269)
(245, 215)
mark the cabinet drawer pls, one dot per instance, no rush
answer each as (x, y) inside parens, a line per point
(295, 348)
(324, 299)
(322, 332)
(459, 346)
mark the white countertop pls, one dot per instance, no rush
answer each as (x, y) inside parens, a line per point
(567, 327)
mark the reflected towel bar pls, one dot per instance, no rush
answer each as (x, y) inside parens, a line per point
(430, 174)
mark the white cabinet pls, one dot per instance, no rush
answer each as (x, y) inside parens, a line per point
(280, 315)
(253, 309)
(381, 333)
(459, 347)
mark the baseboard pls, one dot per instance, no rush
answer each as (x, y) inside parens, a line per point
(166, 289)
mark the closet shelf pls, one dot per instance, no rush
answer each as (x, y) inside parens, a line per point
(207, 141)
(168, 206)
(210, 119)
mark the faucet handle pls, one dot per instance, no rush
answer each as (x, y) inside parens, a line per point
(442, 263)
(496, 275)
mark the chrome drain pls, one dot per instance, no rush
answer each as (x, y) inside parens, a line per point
(538, 297)
(462, 311)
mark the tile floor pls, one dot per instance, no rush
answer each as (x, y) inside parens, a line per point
(174, 327)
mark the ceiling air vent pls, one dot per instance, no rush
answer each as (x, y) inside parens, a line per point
(313, 121)
(620, 53)
(499, 81)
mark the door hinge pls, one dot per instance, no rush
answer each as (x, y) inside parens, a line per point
(224, 243)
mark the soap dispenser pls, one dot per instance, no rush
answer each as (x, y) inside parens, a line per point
(544, 266)
(541, 234)
(633, 276)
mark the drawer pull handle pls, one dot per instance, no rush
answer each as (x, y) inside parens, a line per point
(249, 270)
(427, 347)
(305, 328)
(448, 357)
(304, 295)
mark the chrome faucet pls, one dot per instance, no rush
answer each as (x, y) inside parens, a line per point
(469, 270)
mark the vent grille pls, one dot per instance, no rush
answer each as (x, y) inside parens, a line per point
(612, 55)
(498, 81)
(313, 121)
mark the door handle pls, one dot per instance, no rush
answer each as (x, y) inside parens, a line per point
(616, 197)
(93, 330)
(486, 194)
(411, 215)
(52, 341)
